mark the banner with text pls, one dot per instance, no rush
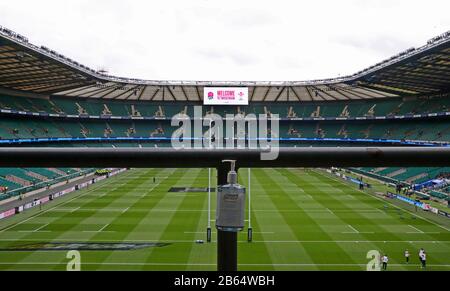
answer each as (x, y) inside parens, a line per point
(225, 96)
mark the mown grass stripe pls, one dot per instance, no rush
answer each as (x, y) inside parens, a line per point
(182, 221)
(441, 255)
(319, 255)
(124, 223)
(68, 221)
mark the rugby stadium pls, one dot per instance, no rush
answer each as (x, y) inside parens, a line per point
(127, 217)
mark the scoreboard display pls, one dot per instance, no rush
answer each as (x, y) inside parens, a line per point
(225, 96)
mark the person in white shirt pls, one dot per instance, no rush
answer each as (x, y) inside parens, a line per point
(424, 260)
(420, 256)
(407, 256)
(384, 260)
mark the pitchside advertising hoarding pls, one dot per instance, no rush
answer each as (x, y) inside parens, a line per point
(225, 96)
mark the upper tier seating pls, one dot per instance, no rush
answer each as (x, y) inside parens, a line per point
(356, 108)
(425, 130)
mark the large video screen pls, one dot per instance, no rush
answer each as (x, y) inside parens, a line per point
(225, 96)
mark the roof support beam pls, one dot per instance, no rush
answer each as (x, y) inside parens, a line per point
(154, 94)
(184, 93)
(142, 92)
(100, 89)
(325, 93)
(171, 93)
(357, 94)
(267, 93)
(59, 88)
(78, 89)
(279, 94)
(295, 93)
(44, 89)
(309, 93)
(198, 93)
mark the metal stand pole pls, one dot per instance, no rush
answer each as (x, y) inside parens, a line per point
(250, 229)
(208, 230)
(226, 240)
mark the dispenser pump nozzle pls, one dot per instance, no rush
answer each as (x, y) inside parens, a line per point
(232, 175)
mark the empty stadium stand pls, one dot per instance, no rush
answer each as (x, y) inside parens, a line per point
(18, 181)
(331, 109)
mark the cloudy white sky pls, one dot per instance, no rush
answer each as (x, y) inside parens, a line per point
(228, 40)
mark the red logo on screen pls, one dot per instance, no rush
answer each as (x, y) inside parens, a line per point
(210, 95)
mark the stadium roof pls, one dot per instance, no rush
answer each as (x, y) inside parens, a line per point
(25, 67)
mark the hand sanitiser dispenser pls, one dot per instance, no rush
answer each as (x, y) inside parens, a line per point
(230, 211)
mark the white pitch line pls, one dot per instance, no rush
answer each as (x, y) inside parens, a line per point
(300, 210)
(354, 229)
(239, 241)
(39, 228)
(126, 209)
(316, 210)
(146, 192)
(96, 209)
(75, 209)
(196, 232)
(45, 211)
(415, 228)
(101, 229)
(415, 232)
(35, 231)
(213, 264)
(154, 186)
(96, 231)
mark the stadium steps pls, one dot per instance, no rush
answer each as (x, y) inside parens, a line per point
(57, 171)
(18, 185)
(415, 174)
(396, 173)
(36, 176)
(10, 184)
(44, 172)
(387, 171)
(439, 195)
(19, 173)
(18, 180)
(416, 177)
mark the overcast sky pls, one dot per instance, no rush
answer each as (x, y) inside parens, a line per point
(228, 40)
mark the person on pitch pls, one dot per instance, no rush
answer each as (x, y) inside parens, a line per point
(424, 260)
(384, 261)
(407, 256)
